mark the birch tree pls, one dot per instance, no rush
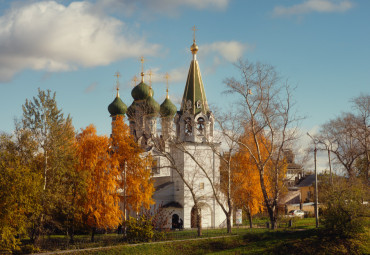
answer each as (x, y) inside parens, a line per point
(264, 105)
(51, 137)
(101, 199)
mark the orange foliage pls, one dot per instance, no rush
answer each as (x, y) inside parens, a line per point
(137, 167)
(101, 201)
(246, 179)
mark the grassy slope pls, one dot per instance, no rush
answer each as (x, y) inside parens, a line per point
(255, 241)
(301, 239)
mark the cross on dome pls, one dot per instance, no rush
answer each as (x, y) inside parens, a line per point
(135, 80)
(142, 60)
(150, 73)
(194, 29)
(194, 47)
(117, 74)
(167, 77)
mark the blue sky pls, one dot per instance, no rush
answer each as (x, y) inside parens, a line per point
(74, 48)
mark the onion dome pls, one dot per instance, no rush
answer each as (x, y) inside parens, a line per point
(152, 107)
(167, 109)
(140, 91)
(131, 110)
(117, 107)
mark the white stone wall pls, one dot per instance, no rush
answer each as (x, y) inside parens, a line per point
(212, 214)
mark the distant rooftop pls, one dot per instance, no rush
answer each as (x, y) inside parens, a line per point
(307, 181)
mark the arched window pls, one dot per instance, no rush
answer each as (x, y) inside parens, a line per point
(200, 126)
(188, 126)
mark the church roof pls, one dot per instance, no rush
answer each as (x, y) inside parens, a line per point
(168, 109)
(173, 204)
(141, 91)
(194, 98)
(117, 107)
(163, 185)
(151, 106)
(131, 110)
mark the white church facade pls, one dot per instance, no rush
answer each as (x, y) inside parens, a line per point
(186, 164)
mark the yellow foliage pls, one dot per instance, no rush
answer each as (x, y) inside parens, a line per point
(101, 201)
(247, 165)
(132, 163)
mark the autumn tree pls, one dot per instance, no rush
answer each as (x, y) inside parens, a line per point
(247, 193)
(50, 136)
(101, 199)
(19, 189)
(345, 213)
(264, 106)
(134, 168)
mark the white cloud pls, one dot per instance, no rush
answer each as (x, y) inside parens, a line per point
(53, 37)
(91, 87)
(167, 7)
(309, 6)
(230, 51)
(175, 75)
(222, 52)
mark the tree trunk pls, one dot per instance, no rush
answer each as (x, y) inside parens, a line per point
(273, 220)
(93, 234)
(72, 234)
(250, 218)
(199, 221)
(273, 217)
(228, 222)
(269, 207)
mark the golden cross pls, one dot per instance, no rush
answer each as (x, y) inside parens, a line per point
(117, 74)
(135, 80)
(167, 77)
(142, 60)
(194, 29)
(150, 77)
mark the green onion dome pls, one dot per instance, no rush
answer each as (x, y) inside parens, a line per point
(131, 110)
(117, 107)
(140, 91)
(167, 109)
(151, 106)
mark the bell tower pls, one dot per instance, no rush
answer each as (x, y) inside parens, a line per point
(194, 122)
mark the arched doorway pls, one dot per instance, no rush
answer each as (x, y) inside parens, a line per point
(175, 221)
(206, 216)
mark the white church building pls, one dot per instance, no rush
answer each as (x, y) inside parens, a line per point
(183, 150)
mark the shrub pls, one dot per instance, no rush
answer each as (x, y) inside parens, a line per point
(8, 240)
(139, 230)
(344, 211)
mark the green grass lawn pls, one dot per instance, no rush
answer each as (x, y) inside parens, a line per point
(301, 238)
(247, 241)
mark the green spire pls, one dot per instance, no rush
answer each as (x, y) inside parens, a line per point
(194, 98)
